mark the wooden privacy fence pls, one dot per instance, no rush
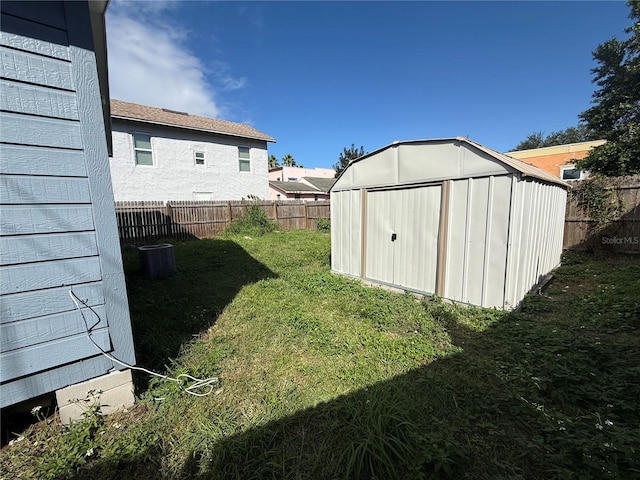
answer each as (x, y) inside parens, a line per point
(140, 222)
(583, 231)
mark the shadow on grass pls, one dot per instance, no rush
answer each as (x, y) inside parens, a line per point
(167, 313)
(498, 409)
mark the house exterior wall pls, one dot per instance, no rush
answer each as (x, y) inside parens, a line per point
(552, 159)
(174, 174)
(283, 174)
(57, 218)
(484, 236)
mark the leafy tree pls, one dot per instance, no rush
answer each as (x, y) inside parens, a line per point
(273, 162)
(581, 133)
(615, 114)
(346, 156)
(533, 140)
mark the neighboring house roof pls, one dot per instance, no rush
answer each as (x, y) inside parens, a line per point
(164, 116)
(525, 169)
(579, 147)
(322, 184)
(293, 187)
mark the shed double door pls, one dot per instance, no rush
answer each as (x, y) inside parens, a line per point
(402, 237)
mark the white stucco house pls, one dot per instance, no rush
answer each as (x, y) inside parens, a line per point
(161, 154)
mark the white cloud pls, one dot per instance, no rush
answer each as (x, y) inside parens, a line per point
(150, 63)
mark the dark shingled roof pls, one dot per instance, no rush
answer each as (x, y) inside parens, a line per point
(322, 184)
(293, 187)
(163, 116)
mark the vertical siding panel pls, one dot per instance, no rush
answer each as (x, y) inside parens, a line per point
(467, 236)
(456, 240)
(499, 237)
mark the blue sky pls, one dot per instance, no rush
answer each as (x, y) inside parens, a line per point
(319, 76)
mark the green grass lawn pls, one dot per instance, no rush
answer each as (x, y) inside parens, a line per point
(322, 377)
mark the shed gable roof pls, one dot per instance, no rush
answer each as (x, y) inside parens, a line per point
(163, 116)
(525, 169)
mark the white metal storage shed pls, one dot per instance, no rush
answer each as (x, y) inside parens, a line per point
(448, 217)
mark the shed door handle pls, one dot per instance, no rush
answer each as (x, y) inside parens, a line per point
(393, 237)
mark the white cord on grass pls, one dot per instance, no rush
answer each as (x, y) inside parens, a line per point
(198, 384)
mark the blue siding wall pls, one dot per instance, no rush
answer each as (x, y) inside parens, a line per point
(57, 225)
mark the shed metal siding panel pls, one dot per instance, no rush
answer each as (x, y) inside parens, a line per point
(443, 162)
(536, 238)
(57, 221)
(346, 237)
(477, 241)
(377, 171)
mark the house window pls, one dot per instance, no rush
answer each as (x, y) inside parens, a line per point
(199, 158)
(142, 149)
(292, 179)
(244, 157)
(571, 173)
(296, 195)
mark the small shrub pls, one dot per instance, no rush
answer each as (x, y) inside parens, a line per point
(324, 225)
(254, 222)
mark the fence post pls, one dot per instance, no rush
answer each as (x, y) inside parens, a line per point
(229, 213)
(169, 221)
(306, 215)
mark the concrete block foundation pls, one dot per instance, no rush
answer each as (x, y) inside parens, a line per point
(112, 392)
